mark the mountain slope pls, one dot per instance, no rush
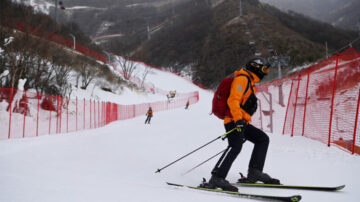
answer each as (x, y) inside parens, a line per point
(341, 13)
(206, 36)
(215, 41)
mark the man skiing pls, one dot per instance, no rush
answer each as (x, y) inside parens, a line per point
(242, 104)
(149, 114)
(187, 104)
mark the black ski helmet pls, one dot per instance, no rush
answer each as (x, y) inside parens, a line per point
(259, 66)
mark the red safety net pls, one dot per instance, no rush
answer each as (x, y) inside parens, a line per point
(323, 103)
(30, 114)
(58, 39)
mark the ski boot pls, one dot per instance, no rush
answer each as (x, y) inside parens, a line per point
(218, 182)
(255, 175)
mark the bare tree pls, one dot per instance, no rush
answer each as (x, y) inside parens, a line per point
(42, 72)
(127, 66)
(78, 75)
(144, 75)
(87, 75)
(18, 55)
(41, 75)
(88, 70)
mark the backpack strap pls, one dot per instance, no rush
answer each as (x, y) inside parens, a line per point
(249, 84)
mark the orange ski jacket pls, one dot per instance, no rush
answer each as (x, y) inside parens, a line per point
(237, 96)
(149, 113)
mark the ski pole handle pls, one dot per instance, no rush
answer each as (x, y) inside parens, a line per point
(223, 137)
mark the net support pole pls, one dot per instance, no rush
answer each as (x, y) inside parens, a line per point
(356, 121)
(332, 100)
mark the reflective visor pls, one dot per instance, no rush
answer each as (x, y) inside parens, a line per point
(265, 69)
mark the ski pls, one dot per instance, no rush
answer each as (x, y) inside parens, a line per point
(294, 198)
(282, 186)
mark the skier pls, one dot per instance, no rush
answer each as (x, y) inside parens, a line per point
(187, 105)
(242, 103)
(149, 114)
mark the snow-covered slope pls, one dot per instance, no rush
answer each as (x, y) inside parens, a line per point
(118, 162)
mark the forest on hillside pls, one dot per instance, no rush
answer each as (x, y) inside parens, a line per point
(45, 66)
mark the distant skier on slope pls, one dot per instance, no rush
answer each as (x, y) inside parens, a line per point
(187, 104)
(171, 95)
(149, 114)
(242, 104)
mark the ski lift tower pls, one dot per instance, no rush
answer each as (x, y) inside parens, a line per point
(240, 9)
(56, 14)
(279, 61)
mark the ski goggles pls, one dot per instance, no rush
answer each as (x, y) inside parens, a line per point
(265, 69)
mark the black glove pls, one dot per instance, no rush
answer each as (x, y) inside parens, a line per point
(240, 127)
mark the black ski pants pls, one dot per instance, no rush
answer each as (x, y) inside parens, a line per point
(148, 118)
(258, 156)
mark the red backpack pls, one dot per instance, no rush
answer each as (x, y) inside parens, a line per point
(221, 95)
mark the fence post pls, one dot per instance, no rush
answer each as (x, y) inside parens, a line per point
(10, 109)
(287, 108)
(133, 111)
(90, 113)
(57, 114)
(98, 114)
(37, 116)
(50, 114)
(61, 105)
(306, 96)
(94, 114)
(76, 114)
(356, 121)
(296, 98)
(261, 124)
(271, 112)
(84, 114)
(333, 98)
(25, 105)
(270, 109)
(117, 112)
(67, 114)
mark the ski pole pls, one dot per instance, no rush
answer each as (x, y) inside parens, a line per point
(221, 136)
(204, 162)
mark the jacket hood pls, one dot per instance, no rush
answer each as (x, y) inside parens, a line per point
(243, 71)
